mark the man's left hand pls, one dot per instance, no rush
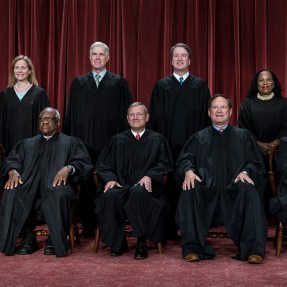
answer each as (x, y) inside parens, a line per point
(243, 177)
(62, 176)
(146, 182)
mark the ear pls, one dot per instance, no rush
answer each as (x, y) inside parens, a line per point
(147, 117)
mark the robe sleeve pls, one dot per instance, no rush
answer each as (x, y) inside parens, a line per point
(70, 113)
(157, 120)
(80, 160)
(163, 164)
(104, 165)
(125, 99)
(278, 204)
(245, 119)
(2, 118)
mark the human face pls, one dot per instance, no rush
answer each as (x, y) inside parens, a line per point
(21, 71)
(98, 59)
(180, 60)
(265, 83)
(219, 112)
(48, 124)
(137, 118)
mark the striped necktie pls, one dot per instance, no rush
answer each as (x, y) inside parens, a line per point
(97, 79)
(181, 80)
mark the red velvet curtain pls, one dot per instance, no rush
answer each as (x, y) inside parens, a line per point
(230, 40)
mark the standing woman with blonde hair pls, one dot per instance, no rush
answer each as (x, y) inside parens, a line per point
(21, 103)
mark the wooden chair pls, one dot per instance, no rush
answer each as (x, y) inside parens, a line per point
(273, 182)
(128, 230)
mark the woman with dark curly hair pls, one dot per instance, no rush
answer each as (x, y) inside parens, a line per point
(264, 111)
(264, 114)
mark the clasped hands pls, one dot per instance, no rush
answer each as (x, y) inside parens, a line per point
(267, 148)
(15, 178)
(145, 181)
(191, 177)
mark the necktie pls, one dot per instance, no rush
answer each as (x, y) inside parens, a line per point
(97, 79)
(138, 136)
(181, 80)
(221, 131)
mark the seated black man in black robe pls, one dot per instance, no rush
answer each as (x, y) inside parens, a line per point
(44, 167)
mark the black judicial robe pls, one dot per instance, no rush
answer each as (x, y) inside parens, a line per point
(278, 205)
(217, 159)
(127, 160)
(96, 114)
(265, 120)
(178, 111)
(19, 119)
(38, 160)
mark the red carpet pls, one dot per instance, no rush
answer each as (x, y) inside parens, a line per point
(85, 268)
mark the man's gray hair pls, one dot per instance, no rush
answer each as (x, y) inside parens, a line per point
(136, 104)
(56, 112)
(100, 44)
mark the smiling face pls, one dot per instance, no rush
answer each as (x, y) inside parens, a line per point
(265, 83)
(21, 71)
(48, 123)
(137, 118)
(180, 60)
(98, 58)
(219, 112)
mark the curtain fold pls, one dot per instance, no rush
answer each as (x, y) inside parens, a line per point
(230, 41)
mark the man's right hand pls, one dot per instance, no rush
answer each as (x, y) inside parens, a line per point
(189, 180)
(13, 180)
(111, 184)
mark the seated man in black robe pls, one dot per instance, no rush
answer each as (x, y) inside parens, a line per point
(131, 169)
(43, 167)
(278, 204)
(221, 172)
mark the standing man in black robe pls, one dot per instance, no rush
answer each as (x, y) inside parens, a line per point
(131, 170)
(221, 172)
(178, 109)
(96, 111)
(44, 167)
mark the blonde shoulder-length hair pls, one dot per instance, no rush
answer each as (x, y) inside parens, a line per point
(31, 78)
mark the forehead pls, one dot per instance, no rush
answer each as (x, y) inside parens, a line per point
(180, 50)
(136, 109)
(48, 114)
(265, 74)
(220, 101)
(98, 50)
(21, 63)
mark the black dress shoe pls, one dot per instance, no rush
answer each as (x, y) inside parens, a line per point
(49, 248)
(141, 251)
(124, 248)
(28, 246)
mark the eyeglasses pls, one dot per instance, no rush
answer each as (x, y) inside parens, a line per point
(47, 119)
